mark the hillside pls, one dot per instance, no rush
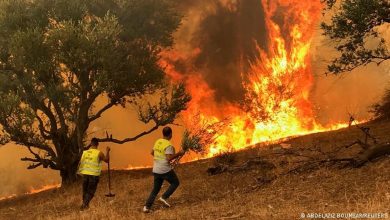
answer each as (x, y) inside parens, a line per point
(252, 192)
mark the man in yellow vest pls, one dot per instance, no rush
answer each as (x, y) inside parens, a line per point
(163, 153)
(91, 167)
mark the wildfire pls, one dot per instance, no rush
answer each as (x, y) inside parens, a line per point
(131, 167)
(277, 85)
(8, 197)
(32, 191)
(44, 188)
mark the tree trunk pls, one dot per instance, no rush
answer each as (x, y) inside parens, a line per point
(69, 160)
(69, 174)
(372, 153)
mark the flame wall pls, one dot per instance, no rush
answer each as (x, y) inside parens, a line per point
(250, 61)
(260, 81)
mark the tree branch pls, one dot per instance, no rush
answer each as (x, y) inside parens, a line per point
(114, 101)
(46, 148)
(29, 96)
(45, 134)
(101, 111)
(61, 117)
(22, 137)
(33, 166)
(113, 140)
(38, 160)
(382, 59)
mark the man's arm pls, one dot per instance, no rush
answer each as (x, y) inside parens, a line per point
(105, 158)
(171, 157)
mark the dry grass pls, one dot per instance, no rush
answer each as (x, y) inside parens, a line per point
(229, 195)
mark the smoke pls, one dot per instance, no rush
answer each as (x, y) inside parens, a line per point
(335, 97)
(123, 123)
(15, 178)
(225, 33)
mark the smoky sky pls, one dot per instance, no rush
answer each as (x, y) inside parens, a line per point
(227, 40)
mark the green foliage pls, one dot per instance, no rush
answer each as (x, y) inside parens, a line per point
(192, 142)
(201, 134)
(353, 24)
(58, 56)
(170, 104)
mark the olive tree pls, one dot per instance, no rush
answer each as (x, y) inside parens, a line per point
(58, 57)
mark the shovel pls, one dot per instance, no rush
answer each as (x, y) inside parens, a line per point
(110, 194)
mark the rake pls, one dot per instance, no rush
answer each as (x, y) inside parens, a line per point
(110, 194)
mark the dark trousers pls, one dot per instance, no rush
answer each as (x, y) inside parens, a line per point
(89, 188)
(158, 181)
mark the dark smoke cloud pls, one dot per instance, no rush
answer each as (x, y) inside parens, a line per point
(227, 40)
(15, 178)
(226, 36)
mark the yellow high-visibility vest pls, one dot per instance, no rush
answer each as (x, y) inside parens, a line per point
(90, 163)
(159, 149)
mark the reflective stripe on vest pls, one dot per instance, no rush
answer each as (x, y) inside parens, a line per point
(159, 149)
(90, 163)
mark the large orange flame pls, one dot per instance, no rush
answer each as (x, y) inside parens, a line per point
(277, 85)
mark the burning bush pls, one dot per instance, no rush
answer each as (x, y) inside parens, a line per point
(200, 134)
(192, 142)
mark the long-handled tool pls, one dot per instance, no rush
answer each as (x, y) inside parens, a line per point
(109, 181)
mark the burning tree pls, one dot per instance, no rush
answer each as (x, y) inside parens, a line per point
(202, 134)
(276, 82)
(58, 57)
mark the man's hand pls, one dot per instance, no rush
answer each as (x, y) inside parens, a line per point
(181, 153)
(175, 159)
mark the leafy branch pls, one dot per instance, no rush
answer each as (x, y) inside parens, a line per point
(354, 24)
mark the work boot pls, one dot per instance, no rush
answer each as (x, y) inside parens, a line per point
(164, 202)
(146, 209)
(84, 207)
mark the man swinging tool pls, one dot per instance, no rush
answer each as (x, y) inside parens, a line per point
(90, 167)
(163, 153)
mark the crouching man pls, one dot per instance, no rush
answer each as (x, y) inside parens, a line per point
(163, 153)
(91, 167)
